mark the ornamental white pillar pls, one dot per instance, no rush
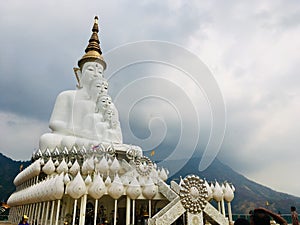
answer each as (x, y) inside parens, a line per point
(57, 212)
(82, 209)
(127, 210)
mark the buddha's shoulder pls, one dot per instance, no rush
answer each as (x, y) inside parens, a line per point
(66, 94)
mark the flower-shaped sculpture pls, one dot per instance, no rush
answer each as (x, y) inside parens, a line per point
(193, 194)
(143, 165)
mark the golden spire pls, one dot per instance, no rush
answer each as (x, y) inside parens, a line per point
(93, 51)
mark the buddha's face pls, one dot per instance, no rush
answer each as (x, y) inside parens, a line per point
(91, 71)
(109, 113)
(104, 87)
(95, 89)
(104, 102)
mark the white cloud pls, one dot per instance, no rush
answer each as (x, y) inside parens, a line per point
(253, 55)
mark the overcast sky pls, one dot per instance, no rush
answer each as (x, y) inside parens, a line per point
(250, 47)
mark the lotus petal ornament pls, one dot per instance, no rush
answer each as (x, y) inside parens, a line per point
(115, 166)
(163, 174)
(150, 189)
(75, 168)
(63, 167)
(102, 166)
(49, 167)
(116, 188)
(97, 189)
(134, 189)
(217, 192)
(76, 187)
(228, 193)
(209, 191)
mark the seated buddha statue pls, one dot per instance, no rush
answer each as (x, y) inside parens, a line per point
(71, 106)
(104, 120)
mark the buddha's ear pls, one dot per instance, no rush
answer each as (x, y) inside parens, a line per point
(78, 76)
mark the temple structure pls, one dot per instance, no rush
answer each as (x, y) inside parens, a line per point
(83, 173)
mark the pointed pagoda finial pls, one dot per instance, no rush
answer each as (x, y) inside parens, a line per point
(93, 51)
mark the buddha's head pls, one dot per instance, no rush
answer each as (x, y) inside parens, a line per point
(104, 102)
(90, 71)
(109, 113)
(94, 89)
(104, 87)
(110, 117)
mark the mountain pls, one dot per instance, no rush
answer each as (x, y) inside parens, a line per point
(248, 194)
(8, 172)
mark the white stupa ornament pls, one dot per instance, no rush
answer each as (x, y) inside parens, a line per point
(134, 189)
(217, 192)
(88, 166)
(163, 174)
(116, 188)
(58, 184)
(228, 197)
(49, 167)
(102, 166)
(150, 189)
(76, 187)
(115, 166)
(209, 191)
(31, 171)
(75, 168)
(63, 167)
(228, 193)
(97, 189)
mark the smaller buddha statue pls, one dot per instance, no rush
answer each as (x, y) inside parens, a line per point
(114, 132)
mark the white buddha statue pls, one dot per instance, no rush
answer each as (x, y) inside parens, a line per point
(109, 126)
(104, 121)
(113, 131)
(80, 109)
(71, 106)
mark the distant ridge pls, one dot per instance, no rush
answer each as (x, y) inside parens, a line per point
(8, 172)
(248, 194)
